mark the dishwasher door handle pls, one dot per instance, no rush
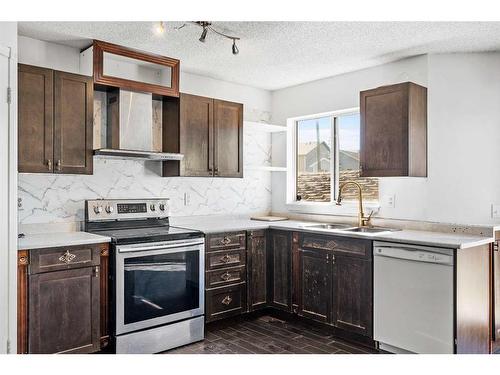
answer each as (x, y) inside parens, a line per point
(415, 255)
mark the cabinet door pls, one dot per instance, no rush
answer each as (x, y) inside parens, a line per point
(496, 297)
(196, 135)
(257, 270)
(394, 131)
(73, 119)
(64, 311)
(280, 270)
(228, 135)
(315, 285)
(352, 294)
(35, 119)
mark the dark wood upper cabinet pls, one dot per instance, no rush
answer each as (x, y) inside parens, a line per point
(151, 73)
(73, 118)
(315, 280)
(228, 138)
(280, 270)
(394, 131)
(55, 121)
(208, 132)
(257, 269)
(35, 119)
(352, 294)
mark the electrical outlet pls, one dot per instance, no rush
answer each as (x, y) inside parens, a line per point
(187, 199)
(495, 211)
(389, 201)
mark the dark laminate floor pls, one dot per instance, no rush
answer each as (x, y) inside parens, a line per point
(267, 335)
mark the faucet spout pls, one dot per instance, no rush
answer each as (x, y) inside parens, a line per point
(363, 221)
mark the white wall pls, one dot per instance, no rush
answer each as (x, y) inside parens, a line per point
(8, 189)
(463, 133)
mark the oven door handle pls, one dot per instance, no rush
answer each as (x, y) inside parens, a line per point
(159, 246)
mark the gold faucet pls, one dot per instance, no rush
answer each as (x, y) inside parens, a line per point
(363, 221)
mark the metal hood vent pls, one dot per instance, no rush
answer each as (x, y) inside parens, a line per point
(131, 132)
(138, 155)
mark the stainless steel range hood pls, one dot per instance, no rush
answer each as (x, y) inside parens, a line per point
(138, 155)
(131, 132)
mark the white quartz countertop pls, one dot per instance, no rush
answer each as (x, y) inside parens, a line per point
(39, 241)
(417, 237)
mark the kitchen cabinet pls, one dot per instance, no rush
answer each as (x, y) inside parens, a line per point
(496, 294)
(257, 269)
(394, 131)
(225, 275)
(208, 132)
(60, 306)
(280, 270)
(55, 111)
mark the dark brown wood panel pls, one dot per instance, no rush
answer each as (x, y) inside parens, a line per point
(496, 294)
(35, 119)
(101, 79)
(225, 276)
(104, 295)
(295, 272)
(196, 135)
(352, 294)
(346, 245)
(394, 131)
(473, 298)
(226, 241)
(228, 131)
(61, 258)
(280, 269)
(73, 122)
(225, 302)
(64, 311)
(22, 301)
(257, 270)
(225, 258)
(315, 296)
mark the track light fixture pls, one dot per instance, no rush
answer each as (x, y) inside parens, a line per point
(207, 26)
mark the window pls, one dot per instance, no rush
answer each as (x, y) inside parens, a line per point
(327, 154)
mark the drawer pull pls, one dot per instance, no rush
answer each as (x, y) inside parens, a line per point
(67, 257)
(227, 300)
(225, 241)
(226, 276)
(225, 259)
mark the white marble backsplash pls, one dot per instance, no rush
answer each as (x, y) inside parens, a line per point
(51, 198)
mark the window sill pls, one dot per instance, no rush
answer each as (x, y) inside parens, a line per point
(346, 209)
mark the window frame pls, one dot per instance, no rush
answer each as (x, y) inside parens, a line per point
(347, 207)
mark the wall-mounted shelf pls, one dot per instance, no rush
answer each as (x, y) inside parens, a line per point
(261, 126)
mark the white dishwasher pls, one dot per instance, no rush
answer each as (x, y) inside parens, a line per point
(413, 298)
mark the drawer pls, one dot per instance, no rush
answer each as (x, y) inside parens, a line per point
(230, 258)
(225, 302)
(63, 258)
(225, 276)
(226, 241)
(344, 245)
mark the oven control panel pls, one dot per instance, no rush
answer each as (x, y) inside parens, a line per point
(117, 209)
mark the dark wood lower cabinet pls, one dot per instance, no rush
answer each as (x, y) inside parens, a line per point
(315, 283)
(352, 294)
(63, 299)
(257, 270)
(280, 270)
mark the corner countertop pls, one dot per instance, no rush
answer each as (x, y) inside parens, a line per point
(425, 238)
(40, 241)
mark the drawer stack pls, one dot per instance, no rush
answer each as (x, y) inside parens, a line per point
(225, 277)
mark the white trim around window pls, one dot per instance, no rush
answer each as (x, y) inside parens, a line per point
(323, 208)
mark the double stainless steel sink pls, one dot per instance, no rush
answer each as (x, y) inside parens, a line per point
(349, 228)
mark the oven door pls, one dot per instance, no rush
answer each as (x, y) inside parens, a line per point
(158, 283)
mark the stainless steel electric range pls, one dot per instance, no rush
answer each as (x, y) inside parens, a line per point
(156, 275)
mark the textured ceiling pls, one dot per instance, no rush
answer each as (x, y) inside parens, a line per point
(274, 55)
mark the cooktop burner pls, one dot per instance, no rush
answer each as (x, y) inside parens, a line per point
(152, 234)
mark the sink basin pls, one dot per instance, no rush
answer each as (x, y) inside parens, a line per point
(369, 230)
(329, 226)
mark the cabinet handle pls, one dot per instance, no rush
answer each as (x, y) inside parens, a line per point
(216, 171)
(96, 271)
(67, 257)
(58, 165)
(49, 164)
(225, 259)
(333, 259)
(227, 300)
(226, 276)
